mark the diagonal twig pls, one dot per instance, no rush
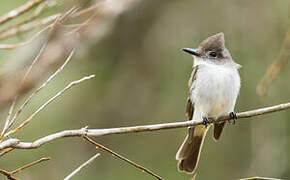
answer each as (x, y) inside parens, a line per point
(29, 26)
(8, 123)
(82, 166)
(5, 151)
(9, 174)
(20, 10)
(122, 158)
(17, 45)
(41, 87)
(30, 164)
(71, 84)
(60, 19)
(36, 13)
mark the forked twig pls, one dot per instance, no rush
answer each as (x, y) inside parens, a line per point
(8, 123)
(122, 157)
(82, 166)
(40, 88)
(9, 175)
(71, 84)
(30, 164)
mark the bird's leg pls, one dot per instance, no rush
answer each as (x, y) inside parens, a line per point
(233, 115)
(205, 121)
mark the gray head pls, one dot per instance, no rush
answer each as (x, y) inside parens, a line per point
(212, 48)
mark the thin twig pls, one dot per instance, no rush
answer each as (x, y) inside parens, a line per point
(17, 45)
(122, 158)
(30, 164)
(60, 46)
(88, 10)
(29, 26)
(5, 151)
(48, 102)
(82, 25)
(36, 13)
(20, 10)
(13, 143)
(82, 166)
(60, 19)
(9, 174)
(8, 123)
(40, 88)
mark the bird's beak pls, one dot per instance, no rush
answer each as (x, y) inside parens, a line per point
(192, 51)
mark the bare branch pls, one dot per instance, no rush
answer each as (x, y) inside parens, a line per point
(122, 158)
(40, 88)
(82, 166)
(8, 123)
(30, 164)
(20, 10)
(71, 84)
(13, 143)
(29, 26)
(60, 45)
(36, 13)
(5, 151)
(9, 174)
(17, 45)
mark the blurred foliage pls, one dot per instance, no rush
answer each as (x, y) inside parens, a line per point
(142, 79)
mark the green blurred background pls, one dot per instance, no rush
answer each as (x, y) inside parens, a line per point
(141, 78)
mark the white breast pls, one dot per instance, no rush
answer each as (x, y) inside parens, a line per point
(216, 89)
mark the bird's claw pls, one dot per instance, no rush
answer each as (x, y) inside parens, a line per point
(233, 116)
(205, 121)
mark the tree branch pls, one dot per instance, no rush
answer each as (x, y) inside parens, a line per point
(15, 143)
(82, 166)
(9, 174)
(98, 145)
(20, 10)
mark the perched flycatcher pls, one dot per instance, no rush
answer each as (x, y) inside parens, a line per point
(213, 89)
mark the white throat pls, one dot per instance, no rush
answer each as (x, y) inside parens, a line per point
(229, 64)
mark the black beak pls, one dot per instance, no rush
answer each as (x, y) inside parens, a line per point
(192, 51)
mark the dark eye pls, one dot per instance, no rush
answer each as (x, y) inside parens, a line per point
(212, 54)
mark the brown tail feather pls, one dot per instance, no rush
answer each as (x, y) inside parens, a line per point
(218, 129)
(188, 153)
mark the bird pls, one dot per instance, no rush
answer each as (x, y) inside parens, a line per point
(214, 86)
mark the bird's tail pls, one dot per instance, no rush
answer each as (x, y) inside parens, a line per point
(189, 151)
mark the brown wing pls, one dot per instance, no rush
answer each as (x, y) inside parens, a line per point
(189, 151)
(191, 85)
(190, 104)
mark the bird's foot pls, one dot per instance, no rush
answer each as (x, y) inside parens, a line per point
(234, 117)
(205, 121)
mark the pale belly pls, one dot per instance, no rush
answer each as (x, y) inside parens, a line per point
(215, 92)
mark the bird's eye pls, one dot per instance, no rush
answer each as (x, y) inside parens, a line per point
(212, 54)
